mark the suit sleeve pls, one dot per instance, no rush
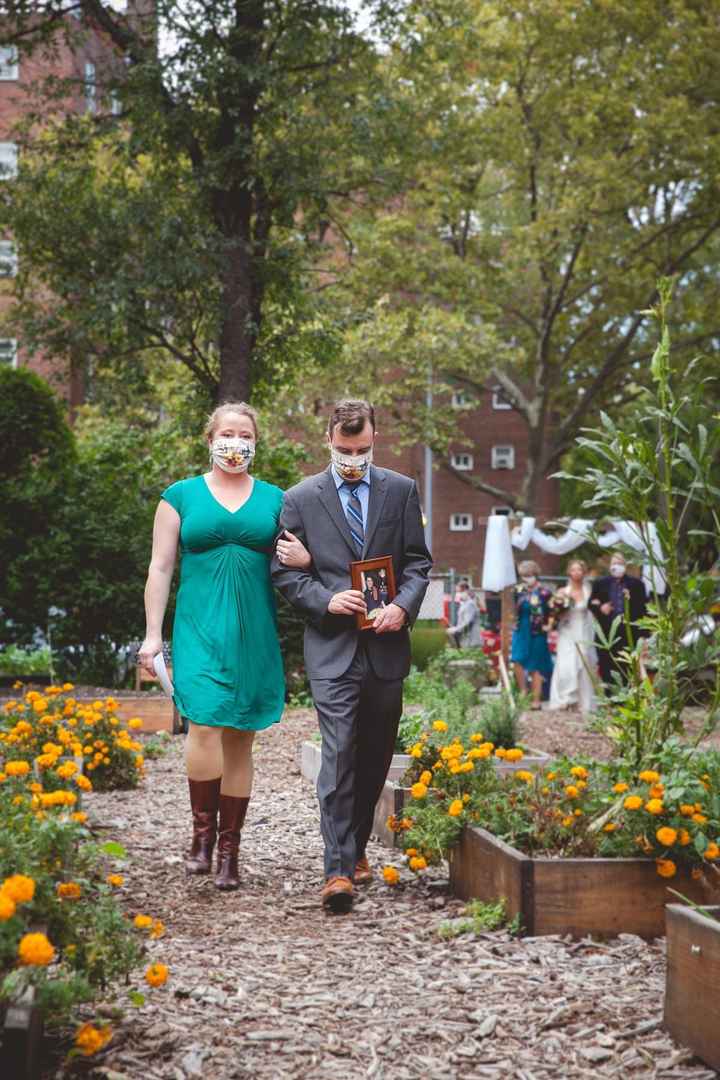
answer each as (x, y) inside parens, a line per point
(417, 560)
(596, 599)
(298, 586)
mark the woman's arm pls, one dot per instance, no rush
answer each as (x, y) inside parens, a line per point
(166, 532)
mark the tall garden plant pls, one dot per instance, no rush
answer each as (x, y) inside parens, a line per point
(660, 469)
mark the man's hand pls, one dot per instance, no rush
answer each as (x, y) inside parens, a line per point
(348, 602)
(606, 608)
(389, 618)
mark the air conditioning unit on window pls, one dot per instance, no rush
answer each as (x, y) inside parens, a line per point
(503, 457)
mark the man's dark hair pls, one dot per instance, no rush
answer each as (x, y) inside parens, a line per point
(351, 415)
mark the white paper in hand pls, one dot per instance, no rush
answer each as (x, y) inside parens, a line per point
(162, 673)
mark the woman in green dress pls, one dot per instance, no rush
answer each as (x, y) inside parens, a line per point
(227, 668)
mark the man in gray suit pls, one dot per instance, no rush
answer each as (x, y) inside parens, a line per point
(351, 511)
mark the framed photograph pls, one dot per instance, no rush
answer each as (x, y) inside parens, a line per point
(375, 578)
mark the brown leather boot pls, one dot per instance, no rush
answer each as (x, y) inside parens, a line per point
(204, 801)
(232, 815)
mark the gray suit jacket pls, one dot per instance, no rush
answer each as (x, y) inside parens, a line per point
(313, 512)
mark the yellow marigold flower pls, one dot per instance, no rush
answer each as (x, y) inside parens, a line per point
(567, 822)
(467, 766)
(135, 723)
(439, 725)
(410, 851)
(68, 890)
(17, 768)
(649, 776)
(90, 1039)
(455, 768)
(83, 783)
(405, 823)
(620, 788)
(40, 705)
(476, 737)
(66, 770)
(687, 810)
(633, 802)
(111, 703)
(684, 837)
(115, 879)
(580, 772)
(654, 806)
(425, 777)
(455, 808)
(418, 791)
(416, 751)
(35, 950)
(657, 791)
(700, 819)
(524, 775)
(571, 791)
(712, 851)
(516, 754)
(501, 752)
(417, 862)
(158, 928)
(581, 785)
(610, 826)
(19, 888)
(18, 684)
(46, 761)
(482, 752)
(466, 798)
(578, 813)
(391, 876)
(68, 686)
(437, 765)
(142, 922)
(666, 836)
(550, 775)
(7, 907)
(666, 867)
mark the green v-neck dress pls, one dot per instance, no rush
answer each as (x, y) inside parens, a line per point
(227, 668)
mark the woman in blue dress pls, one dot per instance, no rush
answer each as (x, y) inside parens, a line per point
(530, 654)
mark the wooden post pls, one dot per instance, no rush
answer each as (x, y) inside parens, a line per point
(507, 615)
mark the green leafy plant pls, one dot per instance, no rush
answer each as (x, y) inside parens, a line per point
(15, 660)
(478, 917)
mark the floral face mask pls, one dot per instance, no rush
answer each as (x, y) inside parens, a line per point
(232, 455)
(351, 467)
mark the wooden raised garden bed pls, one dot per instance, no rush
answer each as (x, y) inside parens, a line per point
(692, 988)
(598, 897)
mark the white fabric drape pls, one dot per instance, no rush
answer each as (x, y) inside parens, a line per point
(498, 562)
(640, 538)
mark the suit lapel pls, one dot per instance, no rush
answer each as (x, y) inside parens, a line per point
(378, 494)
(328, 495)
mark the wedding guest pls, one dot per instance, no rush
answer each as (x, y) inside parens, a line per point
(530, 653)
(607, 603)
(575, 656)
(353, 510)
(227, 666)
(466, 633)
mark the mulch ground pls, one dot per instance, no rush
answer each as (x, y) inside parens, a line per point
(263, 984)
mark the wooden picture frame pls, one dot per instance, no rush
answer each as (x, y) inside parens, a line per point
(382, 592)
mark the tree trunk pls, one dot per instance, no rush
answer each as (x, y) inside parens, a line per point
(238, 330)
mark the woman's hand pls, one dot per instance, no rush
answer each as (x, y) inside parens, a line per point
(149, 649)
(292, 552)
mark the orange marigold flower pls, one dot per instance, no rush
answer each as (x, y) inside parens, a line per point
(89, 1039)
(687, 810)
(157, 974)
(68, 890)
(515, 754)
(143, 922)
(712, 851)
(439, 725)
(684, 837)
(17, 768)
(7, 907)
(580, 772)
(35, 950)
(525, 776)
(649, 776)
(115, 879)
(666, 867)
(654, 806)
(699, 818)
(391, 876)
(455, 808)
(418, 791)
(83, 783)
(571, 791)
(657, 791)
(610, 826)
(417, 862)
(633, 802)
(666, 836)
(19, 888)
(426, 777)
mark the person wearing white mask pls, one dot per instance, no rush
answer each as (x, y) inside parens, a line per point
(352, 511)
(227, 667)
(529, 652)
(613, 597)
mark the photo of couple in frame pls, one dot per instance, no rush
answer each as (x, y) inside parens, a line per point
(375, 579)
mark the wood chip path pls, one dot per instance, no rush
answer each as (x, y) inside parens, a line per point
(264, 985)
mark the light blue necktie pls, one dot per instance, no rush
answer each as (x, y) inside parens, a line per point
(355, 517)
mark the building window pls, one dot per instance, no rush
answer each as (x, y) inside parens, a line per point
(462, 462)
(8, 160)
(499, 400)
(9, 64)
(8, 259)
(115, 104)
(461, 523)
(502, 511)
(458, 399)
(90, 88)
(502, 457)
(8, 351)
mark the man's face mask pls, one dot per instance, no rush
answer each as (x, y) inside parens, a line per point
(351, 466)
(528, 579)
(617, 569)
(232, 455)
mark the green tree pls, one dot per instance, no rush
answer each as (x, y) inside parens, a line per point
(189, 223)
(565, 155)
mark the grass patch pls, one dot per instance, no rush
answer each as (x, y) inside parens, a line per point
(478, 917)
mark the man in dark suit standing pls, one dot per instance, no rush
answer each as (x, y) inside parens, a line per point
(353, 510)
(607, 602)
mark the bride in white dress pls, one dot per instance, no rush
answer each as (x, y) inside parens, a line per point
(571, 685)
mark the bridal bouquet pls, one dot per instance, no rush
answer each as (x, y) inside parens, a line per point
(560, 604)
